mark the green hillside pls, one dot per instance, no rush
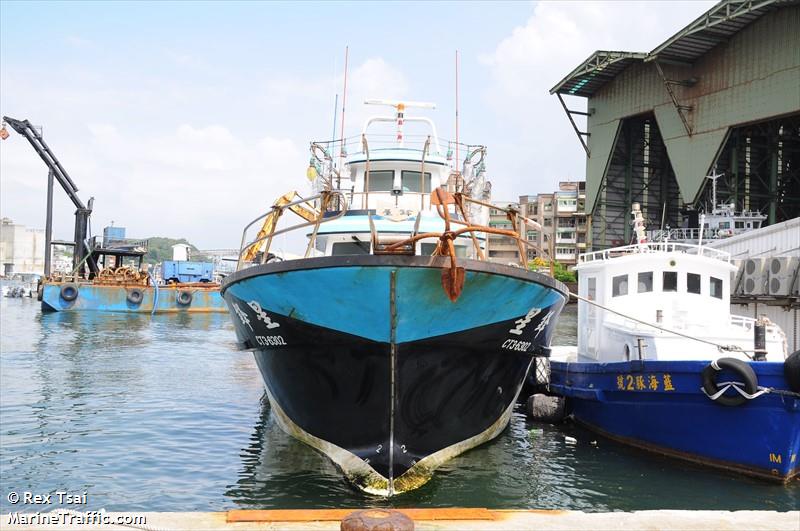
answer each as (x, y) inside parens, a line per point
(160, 249)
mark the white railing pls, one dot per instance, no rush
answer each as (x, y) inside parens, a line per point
(655, 247)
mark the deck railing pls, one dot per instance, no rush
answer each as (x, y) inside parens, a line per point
(655, 247)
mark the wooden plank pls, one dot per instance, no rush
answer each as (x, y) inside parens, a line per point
(336, 515)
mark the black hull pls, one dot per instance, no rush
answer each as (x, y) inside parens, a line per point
(337, 388)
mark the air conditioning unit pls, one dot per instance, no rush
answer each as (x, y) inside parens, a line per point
(737, 262)
(754, 277)
(782, 274)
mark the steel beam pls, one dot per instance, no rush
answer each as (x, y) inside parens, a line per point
(574, 125)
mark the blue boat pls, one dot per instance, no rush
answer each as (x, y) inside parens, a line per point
(662, 365)
(392, 345)
(110, 286)
(77, 295)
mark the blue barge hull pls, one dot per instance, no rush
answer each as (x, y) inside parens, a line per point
(110, 298)
(659, 406)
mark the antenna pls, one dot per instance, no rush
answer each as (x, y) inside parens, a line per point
(344, 98)
(714, 176)
(335, 115)
(457, 157)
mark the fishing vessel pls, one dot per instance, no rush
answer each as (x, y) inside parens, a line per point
(661, 364)
(721, 221)
(392, 345)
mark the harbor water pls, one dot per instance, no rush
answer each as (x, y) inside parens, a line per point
(162, 413)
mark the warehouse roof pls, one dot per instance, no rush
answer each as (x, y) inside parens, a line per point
(713, 27)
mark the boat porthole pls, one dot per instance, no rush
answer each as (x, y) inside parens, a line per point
(135, 296)
(184, 298)
(672, 263)
(69, 292)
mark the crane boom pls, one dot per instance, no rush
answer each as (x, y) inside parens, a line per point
(36, 140)
(82, 213)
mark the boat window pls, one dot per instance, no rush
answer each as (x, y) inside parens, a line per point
(341, 248)
(645, 283)
(715, 287)
(670, 281)
(619, 285)
(380, 181)
(410, 181)
(319, 245)
(739, 224)
(693, 283)
(724, 224)
(427, 248)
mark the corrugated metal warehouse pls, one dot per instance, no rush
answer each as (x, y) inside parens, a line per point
(723, 92)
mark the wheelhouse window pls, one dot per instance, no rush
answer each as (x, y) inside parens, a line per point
(426, 249)
(411, 181)
(670, 281)
(619, 285)
(645, 282)
(381, 181)
(715, 287)
(693, 283)
(342, 248)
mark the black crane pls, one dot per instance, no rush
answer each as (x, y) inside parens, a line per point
(82, 253)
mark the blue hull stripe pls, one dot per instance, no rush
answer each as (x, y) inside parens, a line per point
(356, 300)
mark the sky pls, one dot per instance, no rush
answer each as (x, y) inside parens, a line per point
(189, 119)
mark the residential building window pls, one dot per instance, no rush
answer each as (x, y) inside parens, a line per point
(548, 222)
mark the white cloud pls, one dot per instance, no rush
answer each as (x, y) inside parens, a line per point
(538, 146)
(156, 173)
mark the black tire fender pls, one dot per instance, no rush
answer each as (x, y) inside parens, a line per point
(184, 298)
(135, 296)
(743, 372)
(791, 371)
(69, 291)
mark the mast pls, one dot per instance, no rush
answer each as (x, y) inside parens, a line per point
(458, 161)
(342, 151)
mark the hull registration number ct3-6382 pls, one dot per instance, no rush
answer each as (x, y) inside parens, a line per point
(270, 341)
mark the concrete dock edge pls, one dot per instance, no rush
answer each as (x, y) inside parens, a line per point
(432, 519)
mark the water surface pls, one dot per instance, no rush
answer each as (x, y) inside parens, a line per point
(163, 413)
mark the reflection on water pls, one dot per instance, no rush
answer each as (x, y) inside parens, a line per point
(163, 413)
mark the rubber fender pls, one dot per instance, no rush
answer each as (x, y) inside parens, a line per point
(184, 298)
(69, 292)
(545, 408)
(135, 296)
(744, 373)
(791, 370)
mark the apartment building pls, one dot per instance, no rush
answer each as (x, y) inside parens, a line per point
(501, 248)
